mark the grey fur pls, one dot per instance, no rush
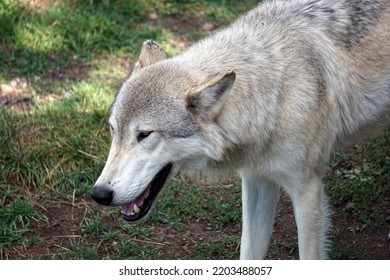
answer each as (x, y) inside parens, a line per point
(270, 97)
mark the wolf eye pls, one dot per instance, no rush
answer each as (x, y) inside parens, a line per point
(142, 135)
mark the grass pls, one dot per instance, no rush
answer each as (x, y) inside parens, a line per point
(71, 51)
(74, 55)
(14, 221)
(359, 179)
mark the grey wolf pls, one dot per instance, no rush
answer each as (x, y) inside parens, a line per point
(269, 97)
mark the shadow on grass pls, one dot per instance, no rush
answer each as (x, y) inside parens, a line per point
(35, 40)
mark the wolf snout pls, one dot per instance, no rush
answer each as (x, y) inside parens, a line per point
(102, 195)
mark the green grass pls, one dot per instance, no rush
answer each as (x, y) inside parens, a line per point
(35, 41)
(16, 212)
(72, 51)
(73, 32)
(359, 179)
(77, 53)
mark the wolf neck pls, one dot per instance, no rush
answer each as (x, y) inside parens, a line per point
(253, 64)
(230, 49)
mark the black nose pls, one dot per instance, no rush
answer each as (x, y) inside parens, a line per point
(102, 195)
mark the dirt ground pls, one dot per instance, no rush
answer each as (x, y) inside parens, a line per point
(64, 220)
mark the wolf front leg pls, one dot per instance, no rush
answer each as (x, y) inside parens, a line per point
(312, 218)
(259, 199)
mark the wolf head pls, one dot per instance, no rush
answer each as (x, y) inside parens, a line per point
(162, 121)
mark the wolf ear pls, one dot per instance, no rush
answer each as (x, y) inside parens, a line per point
(151, 52)
(208, 100)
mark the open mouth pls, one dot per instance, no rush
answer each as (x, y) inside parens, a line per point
(139, 208)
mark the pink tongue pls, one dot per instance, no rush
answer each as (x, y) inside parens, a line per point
(129, 207)
(140, 200)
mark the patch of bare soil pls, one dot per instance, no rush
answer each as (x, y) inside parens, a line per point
(18, 94)
(181, 27)
(65, 74)
(15, 95)
(284, 239)
(366, 244)
(65, 219)
(41, 5)
(346, 232)
(63, 223)
(185, 242)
